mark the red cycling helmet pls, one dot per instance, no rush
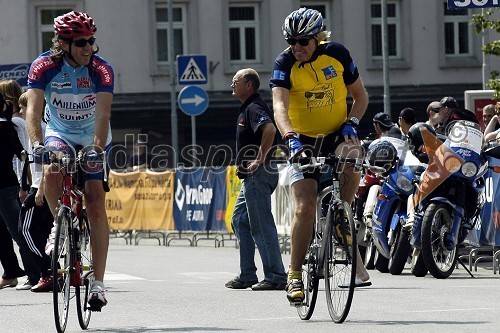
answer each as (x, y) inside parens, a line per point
(74, 24)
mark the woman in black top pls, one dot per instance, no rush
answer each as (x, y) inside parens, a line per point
(9, 205)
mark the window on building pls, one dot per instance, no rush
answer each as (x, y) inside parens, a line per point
(180, 33)
(457, 32)
(45, 19)
(244, 40)
(393, 30)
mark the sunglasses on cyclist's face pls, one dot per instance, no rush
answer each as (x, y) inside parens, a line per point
(301, 41)
(83, 42)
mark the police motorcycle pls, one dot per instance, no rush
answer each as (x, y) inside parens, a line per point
(389, 214)
(447, 200)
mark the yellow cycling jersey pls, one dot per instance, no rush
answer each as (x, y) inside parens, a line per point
(317, 88)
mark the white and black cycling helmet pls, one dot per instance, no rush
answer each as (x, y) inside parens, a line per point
(383, 154)
(303, 22)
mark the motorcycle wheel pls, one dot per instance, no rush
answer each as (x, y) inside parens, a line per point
(399, 252)
(381, 262)
(370, 255)
(418, 267)
(436, 223)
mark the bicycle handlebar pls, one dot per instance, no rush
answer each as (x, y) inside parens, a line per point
(80, 158)
(315, 162)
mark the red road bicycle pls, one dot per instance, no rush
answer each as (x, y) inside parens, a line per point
(72, 269)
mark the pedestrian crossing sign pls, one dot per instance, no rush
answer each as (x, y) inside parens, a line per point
(191, 69)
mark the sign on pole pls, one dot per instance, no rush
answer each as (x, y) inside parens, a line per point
(192, 69)
(460, 4)
(193, 100)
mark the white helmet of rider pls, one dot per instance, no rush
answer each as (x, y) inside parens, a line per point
(303, 22)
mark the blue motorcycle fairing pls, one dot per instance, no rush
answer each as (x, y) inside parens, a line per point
(398, 218)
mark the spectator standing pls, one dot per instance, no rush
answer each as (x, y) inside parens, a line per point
(252, 220)
(35, 220)
(11, 91)
(433, 110)
(10, 146)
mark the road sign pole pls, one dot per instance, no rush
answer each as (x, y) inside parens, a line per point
(173, 104)
(193, 138)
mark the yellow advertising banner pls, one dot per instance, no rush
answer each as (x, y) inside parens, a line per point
(141, 200)
(233, 185)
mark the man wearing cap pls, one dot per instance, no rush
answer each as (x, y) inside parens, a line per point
(384, 126)
(450, 112)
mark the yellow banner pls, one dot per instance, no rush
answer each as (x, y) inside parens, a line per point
(233, 185)
(140, 200)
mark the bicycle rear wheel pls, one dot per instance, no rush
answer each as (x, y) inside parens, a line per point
(82, 291)
(61, 269)
(340, 262)
(311, 280)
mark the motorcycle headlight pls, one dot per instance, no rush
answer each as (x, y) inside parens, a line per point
(452, 164)
(469, 169)
(404, 183)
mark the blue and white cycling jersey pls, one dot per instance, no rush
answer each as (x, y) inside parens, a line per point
(70, 95)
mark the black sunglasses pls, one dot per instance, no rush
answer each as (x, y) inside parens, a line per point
(301, 41)
(83, 42)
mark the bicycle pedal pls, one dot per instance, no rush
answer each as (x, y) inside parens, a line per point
(296, 304)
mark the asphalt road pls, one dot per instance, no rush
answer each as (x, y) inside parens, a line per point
(179, 288)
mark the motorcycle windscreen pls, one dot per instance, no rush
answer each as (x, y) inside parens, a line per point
(465, 139)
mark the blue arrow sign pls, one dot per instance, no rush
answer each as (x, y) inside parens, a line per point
(459, 4)
(193, 100)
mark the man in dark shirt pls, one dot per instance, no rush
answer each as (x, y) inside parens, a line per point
(449, 113)
(252, 220)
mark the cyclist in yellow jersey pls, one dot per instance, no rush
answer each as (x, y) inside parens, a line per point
(310, 83)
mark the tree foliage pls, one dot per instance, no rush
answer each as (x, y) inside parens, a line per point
(481, 23)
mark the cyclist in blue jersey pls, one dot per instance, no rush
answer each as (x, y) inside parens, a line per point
(76, 86)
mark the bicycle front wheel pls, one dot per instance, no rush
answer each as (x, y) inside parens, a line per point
(61, 269)
(82, 291)
(340, 262)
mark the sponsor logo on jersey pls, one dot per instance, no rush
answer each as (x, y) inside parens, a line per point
(75, 115)
(83, 82)
(74, 107)
(37, 67)
(61, 85)
(278, 75)
(106, 75)
(329, 72)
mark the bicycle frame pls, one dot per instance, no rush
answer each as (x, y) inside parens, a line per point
(320, 222)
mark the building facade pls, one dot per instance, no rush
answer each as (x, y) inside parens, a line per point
(433, 52)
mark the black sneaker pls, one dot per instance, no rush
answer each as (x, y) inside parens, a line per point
(236, 283)
(268, 285)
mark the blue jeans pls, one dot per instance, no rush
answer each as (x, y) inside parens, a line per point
(9, 211)
(253, 224)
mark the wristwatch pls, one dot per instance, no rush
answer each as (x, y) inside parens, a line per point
(353, 121)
